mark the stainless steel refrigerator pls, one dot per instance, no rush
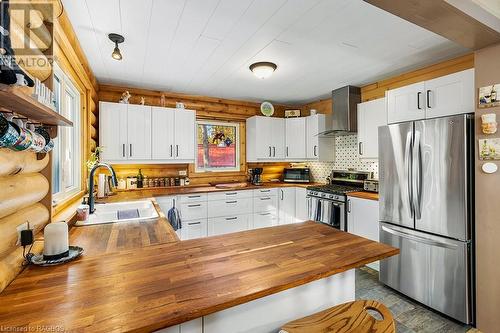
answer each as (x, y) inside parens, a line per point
(426, 210)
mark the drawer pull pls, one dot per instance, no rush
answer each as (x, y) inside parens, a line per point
(231, 218)
(266, 198)
(194, 223)
(197, 205)
(231, 193)
(264, 191)
(231, 202)
(264, 214)
(194, 196)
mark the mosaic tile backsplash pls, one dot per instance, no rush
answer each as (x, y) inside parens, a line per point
(346, 157)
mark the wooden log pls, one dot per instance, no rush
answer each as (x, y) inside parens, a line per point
(12, 264)
(21, 191)
(93, 119)
(12, 163)
(93, 132)
(37, 215)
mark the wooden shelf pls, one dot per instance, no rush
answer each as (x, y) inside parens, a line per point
(14, 99)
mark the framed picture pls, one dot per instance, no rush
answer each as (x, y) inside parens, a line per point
(489, 149)
(489, 96)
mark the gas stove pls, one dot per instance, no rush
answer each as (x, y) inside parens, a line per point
(327, 203)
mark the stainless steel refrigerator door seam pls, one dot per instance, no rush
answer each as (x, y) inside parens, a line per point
(418, 238)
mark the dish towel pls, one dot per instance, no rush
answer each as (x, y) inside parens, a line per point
(174, 218)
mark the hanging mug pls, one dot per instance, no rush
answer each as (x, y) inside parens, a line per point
(8, 134)
(25, 138)
(37, 140)
(49, 143)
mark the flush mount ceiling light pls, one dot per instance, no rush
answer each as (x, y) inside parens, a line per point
(117, 39)
(263, 69)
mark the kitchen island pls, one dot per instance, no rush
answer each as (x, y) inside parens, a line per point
(215, 282)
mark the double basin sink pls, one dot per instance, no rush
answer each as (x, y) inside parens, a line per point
(121, 212)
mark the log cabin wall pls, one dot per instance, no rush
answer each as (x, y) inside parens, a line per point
(25, 179)
(206, 108)
(24, 189)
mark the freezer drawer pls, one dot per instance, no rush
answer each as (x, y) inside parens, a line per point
(430, 269)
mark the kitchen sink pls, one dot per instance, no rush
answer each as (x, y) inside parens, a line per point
(121, 212)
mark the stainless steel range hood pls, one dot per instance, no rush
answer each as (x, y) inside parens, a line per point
(343, 120)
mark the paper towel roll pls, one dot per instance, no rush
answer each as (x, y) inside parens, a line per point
(101, 185)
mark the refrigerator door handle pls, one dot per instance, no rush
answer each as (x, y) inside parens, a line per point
(407, 161)
(417, 176)
(419, 239)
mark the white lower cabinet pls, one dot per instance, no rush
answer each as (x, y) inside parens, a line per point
(193, 326)
(194, 229)
(286, 205)
(193, 210)
(228, 224)
(300, 204)
(229, 207)
(362, 220)
(265, 204)
(264, 220)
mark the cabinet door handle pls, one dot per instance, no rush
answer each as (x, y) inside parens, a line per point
(274, 151)
(418, 100)
(176, 150)
(270, 151)
(282, 194)
(123, 150)
(428, 99)
(314, 151)
(194, 223)
(130, 150)
(232, 202)
(360, 148)
(348, 205)
(286, 151)
(231, 218)
(192, 206)
(171, 151)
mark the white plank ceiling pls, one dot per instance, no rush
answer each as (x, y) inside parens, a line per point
(205, 46)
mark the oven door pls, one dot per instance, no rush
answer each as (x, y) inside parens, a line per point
(327, 212)
(333, 213)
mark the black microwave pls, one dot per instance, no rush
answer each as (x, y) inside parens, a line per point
(297, 175)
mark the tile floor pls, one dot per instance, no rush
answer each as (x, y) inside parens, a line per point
(410, 316)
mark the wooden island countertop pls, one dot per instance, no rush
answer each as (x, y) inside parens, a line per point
(145, 288)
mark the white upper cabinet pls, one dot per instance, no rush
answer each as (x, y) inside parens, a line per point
(185, 127)
(265, 139)
(295, 138)
(371, 115)
(443, 96)
(113, 131)
(318, 148)
(139, 132)
(406, 103)
(146, 134)
(163, 136)
(450, 94)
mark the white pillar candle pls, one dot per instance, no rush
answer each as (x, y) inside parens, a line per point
(56, 239)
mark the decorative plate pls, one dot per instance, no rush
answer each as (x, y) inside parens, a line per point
(74, 252)
(267, 109)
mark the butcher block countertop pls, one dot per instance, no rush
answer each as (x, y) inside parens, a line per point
(159, 282)
(192, 189)
(364, 195)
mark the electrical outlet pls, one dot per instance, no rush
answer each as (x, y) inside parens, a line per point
(182, 172)
(21, 227)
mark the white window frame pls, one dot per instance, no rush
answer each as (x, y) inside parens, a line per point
(236, 143)
(67, 85)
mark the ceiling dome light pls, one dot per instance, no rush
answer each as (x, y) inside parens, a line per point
(117, 39)
(263, 69)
